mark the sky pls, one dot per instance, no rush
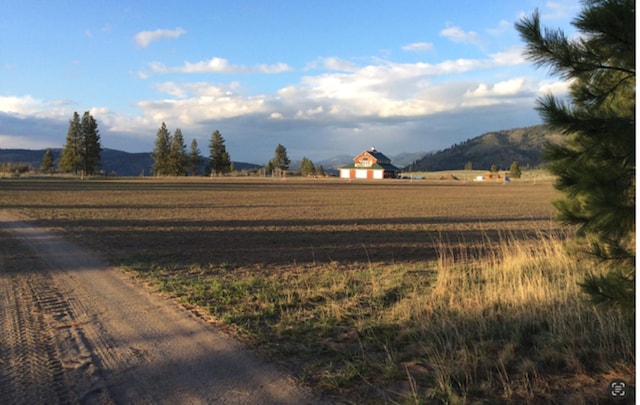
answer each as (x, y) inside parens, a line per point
(322, 78)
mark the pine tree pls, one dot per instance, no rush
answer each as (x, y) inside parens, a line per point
(47, 162)
(280, 159)
(514, 170)
(70, 157)
(306, 167)
(161, 151)
(195, 160)
(90, 147)
(177, 158)
(595, 168)
(268, 169)
(219, 159)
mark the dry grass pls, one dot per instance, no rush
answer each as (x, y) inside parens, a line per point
(374, 292)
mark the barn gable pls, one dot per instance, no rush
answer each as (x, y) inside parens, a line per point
(370, 164)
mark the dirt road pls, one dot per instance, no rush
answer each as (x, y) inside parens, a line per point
(76, 331)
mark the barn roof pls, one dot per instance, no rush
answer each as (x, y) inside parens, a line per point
(375, 166)
(379, 156)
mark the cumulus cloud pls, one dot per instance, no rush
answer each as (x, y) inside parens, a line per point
(418, 47)
(214, 65)
(507, 91)
(30, 106)
(144, 38)
(342, 107)
(347, 92)
(20, 105)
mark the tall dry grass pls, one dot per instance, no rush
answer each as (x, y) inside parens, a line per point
(513, 325)
(500, 322)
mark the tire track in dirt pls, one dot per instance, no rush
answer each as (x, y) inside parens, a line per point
(76, 331)
(42, 356)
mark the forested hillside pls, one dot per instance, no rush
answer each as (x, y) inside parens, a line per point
(499, 148)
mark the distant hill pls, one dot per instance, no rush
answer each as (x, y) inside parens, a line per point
(499, 148)
(111, 161)
(335, 162)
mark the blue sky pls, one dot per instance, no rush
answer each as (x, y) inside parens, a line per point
(321, 78)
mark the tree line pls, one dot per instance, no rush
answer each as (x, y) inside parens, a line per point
(170, 157)
(81, 154)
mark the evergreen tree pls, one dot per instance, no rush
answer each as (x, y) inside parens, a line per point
(514, 170)
(468, 165)
(280, 159)
(268, 169)
(177, 165)
(47, 162)
(306, 167)
(70, 157)
(90, 147)
(161, 152)
(219, 160)
(320, 171)
(195, 160)
(595, 168)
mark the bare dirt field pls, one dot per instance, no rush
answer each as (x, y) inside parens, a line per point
(377, 292)
(77, 331)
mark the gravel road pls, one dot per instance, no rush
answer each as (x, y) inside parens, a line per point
(75, 330)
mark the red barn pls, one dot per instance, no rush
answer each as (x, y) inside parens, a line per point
(370, 164)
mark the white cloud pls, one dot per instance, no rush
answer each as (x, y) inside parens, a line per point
(490, 94)
(202, 108)
(21, 105)
(343, 106)
(456, 34)
(213, 65)
(349, 92)
(29, 106)
(418, 47)
(171, 88)
(555, 87)
(510, 57)
(339, 64)
(560, 9)
(145, 38)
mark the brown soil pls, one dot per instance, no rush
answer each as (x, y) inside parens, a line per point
(77, 331)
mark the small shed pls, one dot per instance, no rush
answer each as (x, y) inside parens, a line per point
(370, 164)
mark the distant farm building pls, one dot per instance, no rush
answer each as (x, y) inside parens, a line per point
(370, 164)
(495, 176)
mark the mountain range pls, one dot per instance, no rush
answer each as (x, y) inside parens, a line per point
(498, 148)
